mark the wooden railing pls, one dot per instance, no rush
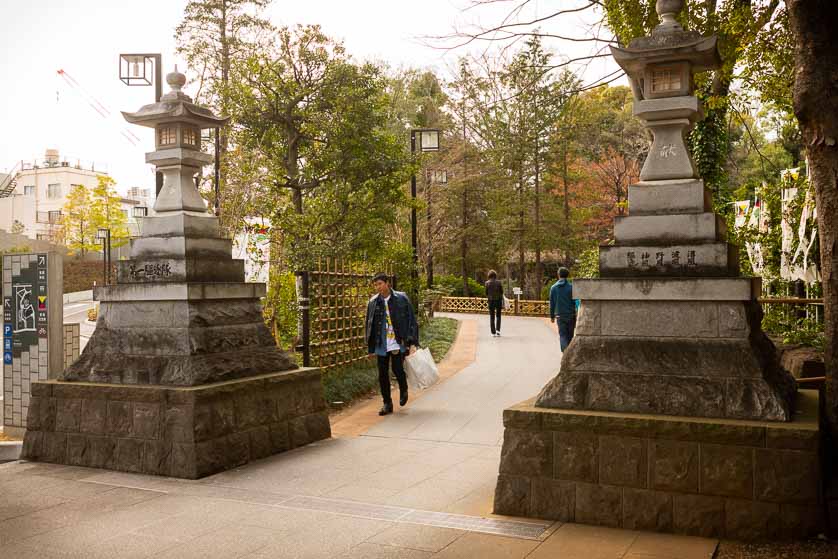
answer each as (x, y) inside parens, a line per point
(480, 305)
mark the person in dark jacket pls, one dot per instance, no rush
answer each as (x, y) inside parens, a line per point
(494, 294)
(563, 307)
(391, 330)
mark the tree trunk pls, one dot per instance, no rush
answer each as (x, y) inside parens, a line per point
(538, 268)
(464, 232)
(813, 23)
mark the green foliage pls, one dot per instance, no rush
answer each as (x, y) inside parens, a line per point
(318, 124)
(587, 264)
(280, 307)
(106, 210)
(78, 225)
(781, 322)
(439, 335)
(454, 285)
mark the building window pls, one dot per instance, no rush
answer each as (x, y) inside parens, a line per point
(190, 136)
(166, 136)
(29, 190)
(54, 216)
(54, 191)
(42, 237)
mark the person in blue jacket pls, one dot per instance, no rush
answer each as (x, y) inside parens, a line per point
(563, 307)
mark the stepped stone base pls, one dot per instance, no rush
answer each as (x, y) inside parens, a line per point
(184, 432)
(718, 478)
(671, 346)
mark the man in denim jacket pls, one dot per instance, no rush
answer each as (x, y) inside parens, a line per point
(391, 330)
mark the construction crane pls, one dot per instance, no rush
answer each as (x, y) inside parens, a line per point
(97, 106)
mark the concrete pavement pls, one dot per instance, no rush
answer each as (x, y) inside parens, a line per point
(416, 484)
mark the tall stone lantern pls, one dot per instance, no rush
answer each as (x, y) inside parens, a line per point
(181, 376)
(670, 411)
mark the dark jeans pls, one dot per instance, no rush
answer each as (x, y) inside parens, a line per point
(495, 308)
(384, 374)
(567, 326)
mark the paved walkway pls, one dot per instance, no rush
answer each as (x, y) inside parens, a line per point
(416, 484)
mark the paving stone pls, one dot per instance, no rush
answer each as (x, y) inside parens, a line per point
(414, 536)
(484, 545)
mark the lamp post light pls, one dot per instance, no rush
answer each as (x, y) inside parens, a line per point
(138, 213)
(434, 177)
(103, 234)
(135, 70)
(427, 140)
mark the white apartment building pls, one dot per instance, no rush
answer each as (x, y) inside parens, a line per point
(33, 194)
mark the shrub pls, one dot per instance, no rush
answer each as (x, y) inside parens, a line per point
(454, 285)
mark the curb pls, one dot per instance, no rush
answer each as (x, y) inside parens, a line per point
(10, 450)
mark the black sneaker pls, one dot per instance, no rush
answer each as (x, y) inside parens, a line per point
(403, 398)
(386, 409)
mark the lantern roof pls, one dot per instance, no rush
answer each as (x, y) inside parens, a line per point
(175, 106)
(700, 52)
(668, 42)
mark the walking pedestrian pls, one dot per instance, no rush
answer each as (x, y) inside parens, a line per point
(563, 307)
(391, 330)
(494, 294)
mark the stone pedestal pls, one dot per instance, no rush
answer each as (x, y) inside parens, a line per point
(185, 432)
(674, 346)
(181, 376)
(717, 478)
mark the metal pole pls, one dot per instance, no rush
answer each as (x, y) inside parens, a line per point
(104, 263)
(158, 93)
(217, 172)
(110, 266)
(429, 185)
(415, 269)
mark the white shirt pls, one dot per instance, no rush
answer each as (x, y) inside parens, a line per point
(392, 344)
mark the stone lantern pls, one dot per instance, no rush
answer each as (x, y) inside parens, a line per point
(661, 69)
(177, 124)
(670, 411)
(181, 376)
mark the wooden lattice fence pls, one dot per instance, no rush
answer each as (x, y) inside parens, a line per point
(333, 298)
(480, 305)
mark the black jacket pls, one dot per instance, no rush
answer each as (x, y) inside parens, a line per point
(401, 314)
(494, 290)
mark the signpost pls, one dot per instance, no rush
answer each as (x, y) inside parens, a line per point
(32, 342)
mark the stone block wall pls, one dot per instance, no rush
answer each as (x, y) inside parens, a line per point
(72, 341)
(185, 432)
(742, 480)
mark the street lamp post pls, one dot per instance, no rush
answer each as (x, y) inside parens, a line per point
(438, 177)
(138, 213)
(134, 71)
(104, 235)
(428, 140)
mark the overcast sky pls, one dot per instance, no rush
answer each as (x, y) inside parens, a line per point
(39, 110)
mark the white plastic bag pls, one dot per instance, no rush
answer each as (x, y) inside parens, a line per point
(506, 303)
(420, 369)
